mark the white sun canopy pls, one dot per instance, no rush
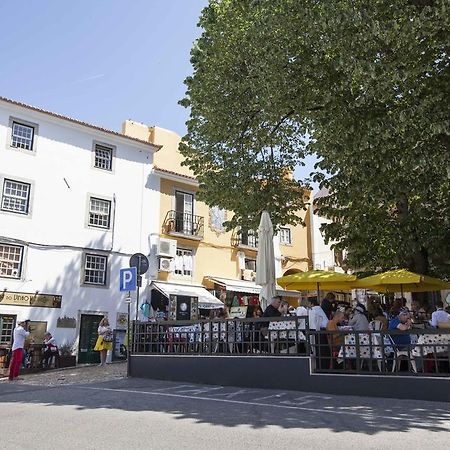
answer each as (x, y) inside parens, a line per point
(249, 287)
(205, 299)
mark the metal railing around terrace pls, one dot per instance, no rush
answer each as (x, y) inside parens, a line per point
(340, 352)
(277, 336)
(386, 352)
(184, 223)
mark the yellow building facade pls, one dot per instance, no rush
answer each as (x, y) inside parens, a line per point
(207, 255)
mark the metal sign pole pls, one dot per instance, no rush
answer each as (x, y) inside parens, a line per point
(128, 301)
(138, 285)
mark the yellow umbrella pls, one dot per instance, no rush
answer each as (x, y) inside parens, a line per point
(317, 279)
(401, 280)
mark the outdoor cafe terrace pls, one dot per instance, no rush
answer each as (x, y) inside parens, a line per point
(370, 352)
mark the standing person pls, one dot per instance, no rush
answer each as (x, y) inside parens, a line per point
(328, 305)
(104, 340)
(439, 315)
(19, 335)
(318, 320)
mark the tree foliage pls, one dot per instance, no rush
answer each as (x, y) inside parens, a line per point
(367, 81)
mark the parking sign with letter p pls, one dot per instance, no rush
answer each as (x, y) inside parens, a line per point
(128, 279)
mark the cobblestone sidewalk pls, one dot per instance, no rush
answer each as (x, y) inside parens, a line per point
(74, 375)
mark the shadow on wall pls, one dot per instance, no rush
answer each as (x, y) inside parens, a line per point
(77, 296)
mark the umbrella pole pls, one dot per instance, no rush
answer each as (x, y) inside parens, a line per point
(318, 293)
(401, 291)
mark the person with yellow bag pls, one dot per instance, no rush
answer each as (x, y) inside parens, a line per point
(104, 340)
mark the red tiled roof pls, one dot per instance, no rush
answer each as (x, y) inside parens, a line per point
(170, 172)
(78, 122)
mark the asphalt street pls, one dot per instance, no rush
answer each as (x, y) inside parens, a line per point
(138, 413)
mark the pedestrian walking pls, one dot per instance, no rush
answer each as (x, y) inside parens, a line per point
(19, 335)
(104, 340)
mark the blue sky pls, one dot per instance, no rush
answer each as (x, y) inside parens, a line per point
(101, 61)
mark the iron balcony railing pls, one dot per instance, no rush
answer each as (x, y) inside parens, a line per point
(385, 352)
(184, 223)
(244, 238)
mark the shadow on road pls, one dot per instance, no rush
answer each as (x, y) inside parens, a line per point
(233, 407)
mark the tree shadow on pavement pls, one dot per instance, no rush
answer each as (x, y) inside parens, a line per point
(233, 407)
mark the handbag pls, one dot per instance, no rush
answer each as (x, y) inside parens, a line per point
(108, 337)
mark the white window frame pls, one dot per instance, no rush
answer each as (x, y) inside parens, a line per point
(185, 273)
(25, 123)
(103, 146)
(5, 180)
(12, 264)
(284, 241)
(89, 212)
(5, 339)
(88, 259)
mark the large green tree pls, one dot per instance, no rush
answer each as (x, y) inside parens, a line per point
(364, 85)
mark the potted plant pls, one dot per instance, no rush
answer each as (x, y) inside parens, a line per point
(66, 357)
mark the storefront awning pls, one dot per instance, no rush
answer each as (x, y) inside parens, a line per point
(205, 299)
(248, 287)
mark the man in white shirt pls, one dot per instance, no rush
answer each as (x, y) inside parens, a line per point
(19, 335)
(321, 319)
(439, 315)
(301, 311)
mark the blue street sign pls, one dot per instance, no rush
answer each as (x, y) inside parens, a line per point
(128, 279)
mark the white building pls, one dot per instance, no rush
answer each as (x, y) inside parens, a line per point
(323, 256)
(76, 201)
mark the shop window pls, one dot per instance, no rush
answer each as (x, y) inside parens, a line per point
(285, 236)
(7, 324)
(184, 262)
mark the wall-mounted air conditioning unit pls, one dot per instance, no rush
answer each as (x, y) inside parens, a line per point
(248, 275)
(165, 264)
(167, 248)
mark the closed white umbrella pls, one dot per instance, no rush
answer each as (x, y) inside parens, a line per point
(265, 261)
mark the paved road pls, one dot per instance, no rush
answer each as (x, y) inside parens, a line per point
(137, 413)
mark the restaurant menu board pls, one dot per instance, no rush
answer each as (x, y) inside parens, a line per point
(183, 307)
(30, 299)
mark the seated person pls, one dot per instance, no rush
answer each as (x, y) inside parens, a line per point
(403, 323)
(273, 309)
(336, 339)
(359, 321)
(51, 349)
(284, 308)
(439, 316)
(379, 316)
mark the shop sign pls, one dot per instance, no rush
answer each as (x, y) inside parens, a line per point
(122, 321)
(238, 312)
(66, 322)
(25, 299)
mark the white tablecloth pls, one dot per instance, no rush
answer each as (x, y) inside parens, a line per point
(285, 330)
(424, 339)
(364, 349)
(189, 332)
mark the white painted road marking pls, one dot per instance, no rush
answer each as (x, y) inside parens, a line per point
(239, 402)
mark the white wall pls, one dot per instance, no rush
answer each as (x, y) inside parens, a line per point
(323, 256)
(59, 214)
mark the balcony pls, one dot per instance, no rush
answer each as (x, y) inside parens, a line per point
(245, 239)
(184, 225)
